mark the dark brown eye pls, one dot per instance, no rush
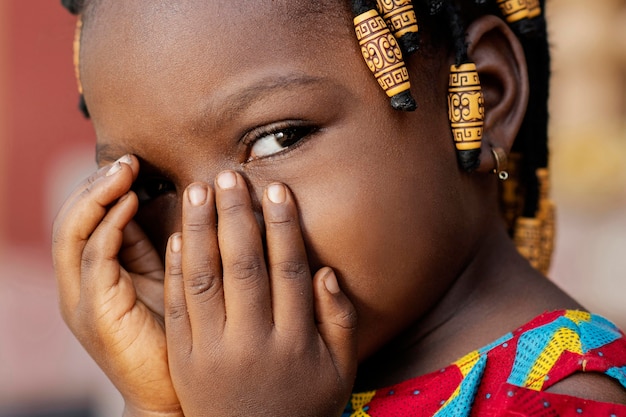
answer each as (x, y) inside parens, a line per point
(270, 143)
(147, 189)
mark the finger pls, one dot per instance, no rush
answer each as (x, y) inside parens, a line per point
(177, 325)
(245, 280)
(139, 257)
(106, 291)
(86, 207)
(337, 321)
(79, 221)
(99, 263)
(202, 271)
(101, 172)
(291, 286)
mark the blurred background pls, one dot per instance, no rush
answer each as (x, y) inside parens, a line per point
(46, 147)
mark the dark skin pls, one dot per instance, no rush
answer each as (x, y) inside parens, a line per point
(358, 238)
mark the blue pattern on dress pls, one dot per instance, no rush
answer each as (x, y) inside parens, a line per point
(597, 332)
(619, 374)
(532, 344)
(461, 406)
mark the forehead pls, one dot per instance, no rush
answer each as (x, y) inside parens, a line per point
(142, 55)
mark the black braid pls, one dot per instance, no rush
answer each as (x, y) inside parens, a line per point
(532, 140)
(457, 29)
(74, 6)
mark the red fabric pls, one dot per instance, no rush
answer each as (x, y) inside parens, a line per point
(510, 376)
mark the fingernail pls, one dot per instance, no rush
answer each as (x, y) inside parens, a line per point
(330, 282)
(177, 243)
(197, 194)
(126, 159)
(117, 166)
(226, 180)
(276, 193)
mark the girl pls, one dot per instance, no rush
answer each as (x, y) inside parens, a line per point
(272, 234)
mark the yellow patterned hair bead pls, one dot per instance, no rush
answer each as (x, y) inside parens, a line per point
(466, 107)
(384, 58)
(77, 34)
(534, 8)
(401, 21)
(513, 10)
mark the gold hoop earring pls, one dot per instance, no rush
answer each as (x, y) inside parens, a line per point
(500, 158)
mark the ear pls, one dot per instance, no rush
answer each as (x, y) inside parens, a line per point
(501, 65)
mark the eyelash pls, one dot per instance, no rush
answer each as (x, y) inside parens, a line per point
(285, 135)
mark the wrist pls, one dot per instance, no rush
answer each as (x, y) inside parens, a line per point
(133, 411)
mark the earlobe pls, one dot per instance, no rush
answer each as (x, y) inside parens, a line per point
(501, 65)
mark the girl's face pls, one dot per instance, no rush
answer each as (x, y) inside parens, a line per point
(278, 91)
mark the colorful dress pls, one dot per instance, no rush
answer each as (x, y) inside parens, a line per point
(508, 377)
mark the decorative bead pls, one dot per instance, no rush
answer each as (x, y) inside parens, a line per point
(534, 8)
(466, 107)
(384, 58)
(76, 46)
(401, 21)
(513, 10)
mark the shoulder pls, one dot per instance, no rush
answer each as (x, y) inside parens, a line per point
(591, 386)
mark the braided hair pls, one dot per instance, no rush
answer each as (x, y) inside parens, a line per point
(523, 196)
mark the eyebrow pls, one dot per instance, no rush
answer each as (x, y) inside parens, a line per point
(226, 108)
(247, 96)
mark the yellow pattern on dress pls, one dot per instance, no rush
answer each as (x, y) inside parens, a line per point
(578, 316)
(562, 341)
(359, 401)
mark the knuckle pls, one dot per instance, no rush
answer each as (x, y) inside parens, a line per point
(200, 281)
(347, 319)
(247, 267)
(92, 257)
(176, 311)
(196, 227)
(88, 260)
(233, 208)
(88, 191)
(175, 270)
(291, 269)
(281, 221)
(91, 179)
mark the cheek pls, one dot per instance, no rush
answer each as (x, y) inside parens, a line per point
(384, 234)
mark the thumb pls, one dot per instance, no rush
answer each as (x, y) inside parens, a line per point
(336, 322)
